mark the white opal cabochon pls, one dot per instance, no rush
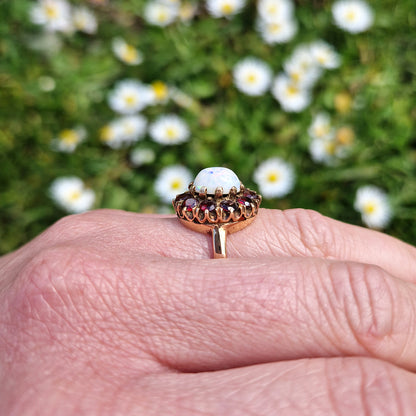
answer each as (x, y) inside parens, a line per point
(212, 178)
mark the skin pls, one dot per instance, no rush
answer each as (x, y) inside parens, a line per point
(115, 313)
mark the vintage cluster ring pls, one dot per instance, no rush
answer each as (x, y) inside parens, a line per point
(217, 203)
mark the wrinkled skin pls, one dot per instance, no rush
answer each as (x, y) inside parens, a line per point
(114, 313)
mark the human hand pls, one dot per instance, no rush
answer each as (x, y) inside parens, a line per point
(114, 313)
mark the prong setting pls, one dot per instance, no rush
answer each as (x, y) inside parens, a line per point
(200, 208)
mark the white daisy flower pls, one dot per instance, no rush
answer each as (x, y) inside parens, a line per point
(171, 181)
(160, 91)
(169, 129)
(132, 128)
(275, 177)
(290, 96)
(126, 52)
(302, 67)
(68, 139)
(353, 16)
(321, 127)
(124, 131)
(71, 195)
(275, 10)
(326, 151)
(129, 97)
(224, 8)
(187, 11)
(84, 20)
(252, 76)
(54, 15)
(324, 54)
(304, 77)
(281, 31)
(111, 135)
(373, 205)
(161, 13)
(142, 156)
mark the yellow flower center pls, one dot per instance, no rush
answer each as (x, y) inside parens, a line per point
(227, 8)
(128, 128)
(130, 100)
(272, 9)
(160, 89)
(330, 148)
(292, 90)
(351, 15)
(322, 58)
(106, 134)
(322, 130)
(275, 28)
(345, 135)
(273, 177)
(162, 16)
(186, 11)
(343, 102)
(69, 137)
(74, 196)
(171, 132)
(129, 54)
(176, 184)
(81, 22)
(369, 208)
(295, 76)
(251, 78)
(51, 11)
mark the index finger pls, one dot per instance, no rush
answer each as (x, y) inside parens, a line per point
(306, 233)
(295, 233)
(300, 233)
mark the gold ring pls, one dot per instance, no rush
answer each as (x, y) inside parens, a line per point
(218, 203)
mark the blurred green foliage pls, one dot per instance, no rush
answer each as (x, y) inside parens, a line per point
(228, 128)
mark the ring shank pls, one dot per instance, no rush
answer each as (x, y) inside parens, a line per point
(219, 235)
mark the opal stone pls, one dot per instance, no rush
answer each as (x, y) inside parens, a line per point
(214, 177)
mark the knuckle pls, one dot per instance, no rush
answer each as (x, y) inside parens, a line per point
(54, 293)
(74, 226)
(64, 227)
(45, 274)
(366, 302)
(368, 386)
(313, 233)
(33, 314)
(68, 294)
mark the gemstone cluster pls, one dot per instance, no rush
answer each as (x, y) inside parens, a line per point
(216, 196)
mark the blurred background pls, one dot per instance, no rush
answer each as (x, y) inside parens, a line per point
(117, 104)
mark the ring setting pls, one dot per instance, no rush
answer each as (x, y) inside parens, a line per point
(218, 203)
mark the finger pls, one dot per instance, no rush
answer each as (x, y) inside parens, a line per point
(242, 312)
(339, 386)
(294, 232)
(273, 233)
(299, 232)
(205, 315)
